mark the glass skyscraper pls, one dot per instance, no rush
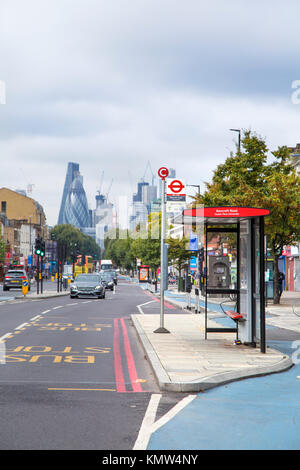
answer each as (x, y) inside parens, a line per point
(74, 206)
(72, 172)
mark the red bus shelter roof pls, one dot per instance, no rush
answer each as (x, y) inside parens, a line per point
(223, 214)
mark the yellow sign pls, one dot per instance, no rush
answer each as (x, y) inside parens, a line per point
(25, 287)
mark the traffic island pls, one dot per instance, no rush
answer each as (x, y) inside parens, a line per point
(184, 361)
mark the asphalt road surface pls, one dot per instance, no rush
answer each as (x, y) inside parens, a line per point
(74, 375)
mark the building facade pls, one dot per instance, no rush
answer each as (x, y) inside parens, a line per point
(22, 220)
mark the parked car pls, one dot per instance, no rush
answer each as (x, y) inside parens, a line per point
(107, 278)
(14, 279)
(87, 284)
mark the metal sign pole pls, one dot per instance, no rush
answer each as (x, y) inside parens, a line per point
(163, 175)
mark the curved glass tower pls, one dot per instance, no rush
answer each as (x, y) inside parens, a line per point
(72, 172)
(76, 210)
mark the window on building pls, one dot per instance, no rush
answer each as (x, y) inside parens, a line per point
(3, 207)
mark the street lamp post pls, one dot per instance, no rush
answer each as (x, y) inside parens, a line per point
(195, 186)
(239, 132)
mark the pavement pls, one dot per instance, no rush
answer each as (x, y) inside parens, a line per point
(32, 294)
(184, 361)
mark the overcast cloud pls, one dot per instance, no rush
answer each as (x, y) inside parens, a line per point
(111, 85)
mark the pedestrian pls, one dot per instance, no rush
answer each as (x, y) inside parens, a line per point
(281, 278)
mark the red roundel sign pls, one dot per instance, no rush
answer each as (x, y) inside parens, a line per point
(176, 186)
(163, 172)
(176, 190)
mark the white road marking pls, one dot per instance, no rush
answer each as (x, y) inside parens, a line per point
(176, 409)
(59, 306)
(5, 336)
(45, 311)
(146, 428)
(139, 306)
(21, 326)
(35, 318)
(149, 426)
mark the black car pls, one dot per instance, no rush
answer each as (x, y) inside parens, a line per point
(113, 275)
(108, 279)
(86, 285)
(14, 279)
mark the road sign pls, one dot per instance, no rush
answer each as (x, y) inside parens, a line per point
(25, 287)
(193, 242)
(175, 190)
(163, 172)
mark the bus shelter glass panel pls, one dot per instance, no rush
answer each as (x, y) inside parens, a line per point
(245, 298)
(257, 286)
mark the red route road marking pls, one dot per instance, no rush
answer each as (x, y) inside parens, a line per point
(120, 383)
(171, 307)
(136, 386)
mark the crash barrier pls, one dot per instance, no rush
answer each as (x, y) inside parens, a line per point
(152, 286)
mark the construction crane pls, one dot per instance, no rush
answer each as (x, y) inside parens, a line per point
(101, 182)
(109, 188)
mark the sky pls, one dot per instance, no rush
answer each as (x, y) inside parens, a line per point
(113, 85)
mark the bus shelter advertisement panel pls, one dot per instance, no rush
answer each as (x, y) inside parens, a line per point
(143, 273)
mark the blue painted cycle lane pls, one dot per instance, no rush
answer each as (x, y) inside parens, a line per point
(260, 413)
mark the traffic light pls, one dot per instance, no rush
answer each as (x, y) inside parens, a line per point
(201, 254)
(39, 247)
(188, 284)
(42, 252)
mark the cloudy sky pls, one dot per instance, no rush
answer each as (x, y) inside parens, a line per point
(114, 84)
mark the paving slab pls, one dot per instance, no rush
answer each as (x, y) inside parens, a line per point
(184, 361)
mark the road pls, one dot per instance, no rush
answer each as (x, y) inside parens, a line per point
(75, 375)
(76, 378)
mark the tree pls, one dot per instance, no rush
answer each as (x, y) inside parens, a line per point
(178, 254)
(72, 236)
(119, 250)
(247, 177)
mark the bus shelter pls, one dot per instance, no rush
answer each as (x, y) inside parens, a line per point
(233, 268)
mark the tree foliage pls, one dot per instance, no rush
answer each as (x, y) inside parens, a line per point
(247, 179)
(73, 237)
(146, 246)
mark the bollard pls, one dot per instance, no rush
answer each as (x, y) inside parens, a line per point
(188, 301)
(197, 303)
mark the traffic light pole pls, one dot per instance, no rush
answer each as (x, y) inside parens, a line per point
(41, 274)
(38, 275)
